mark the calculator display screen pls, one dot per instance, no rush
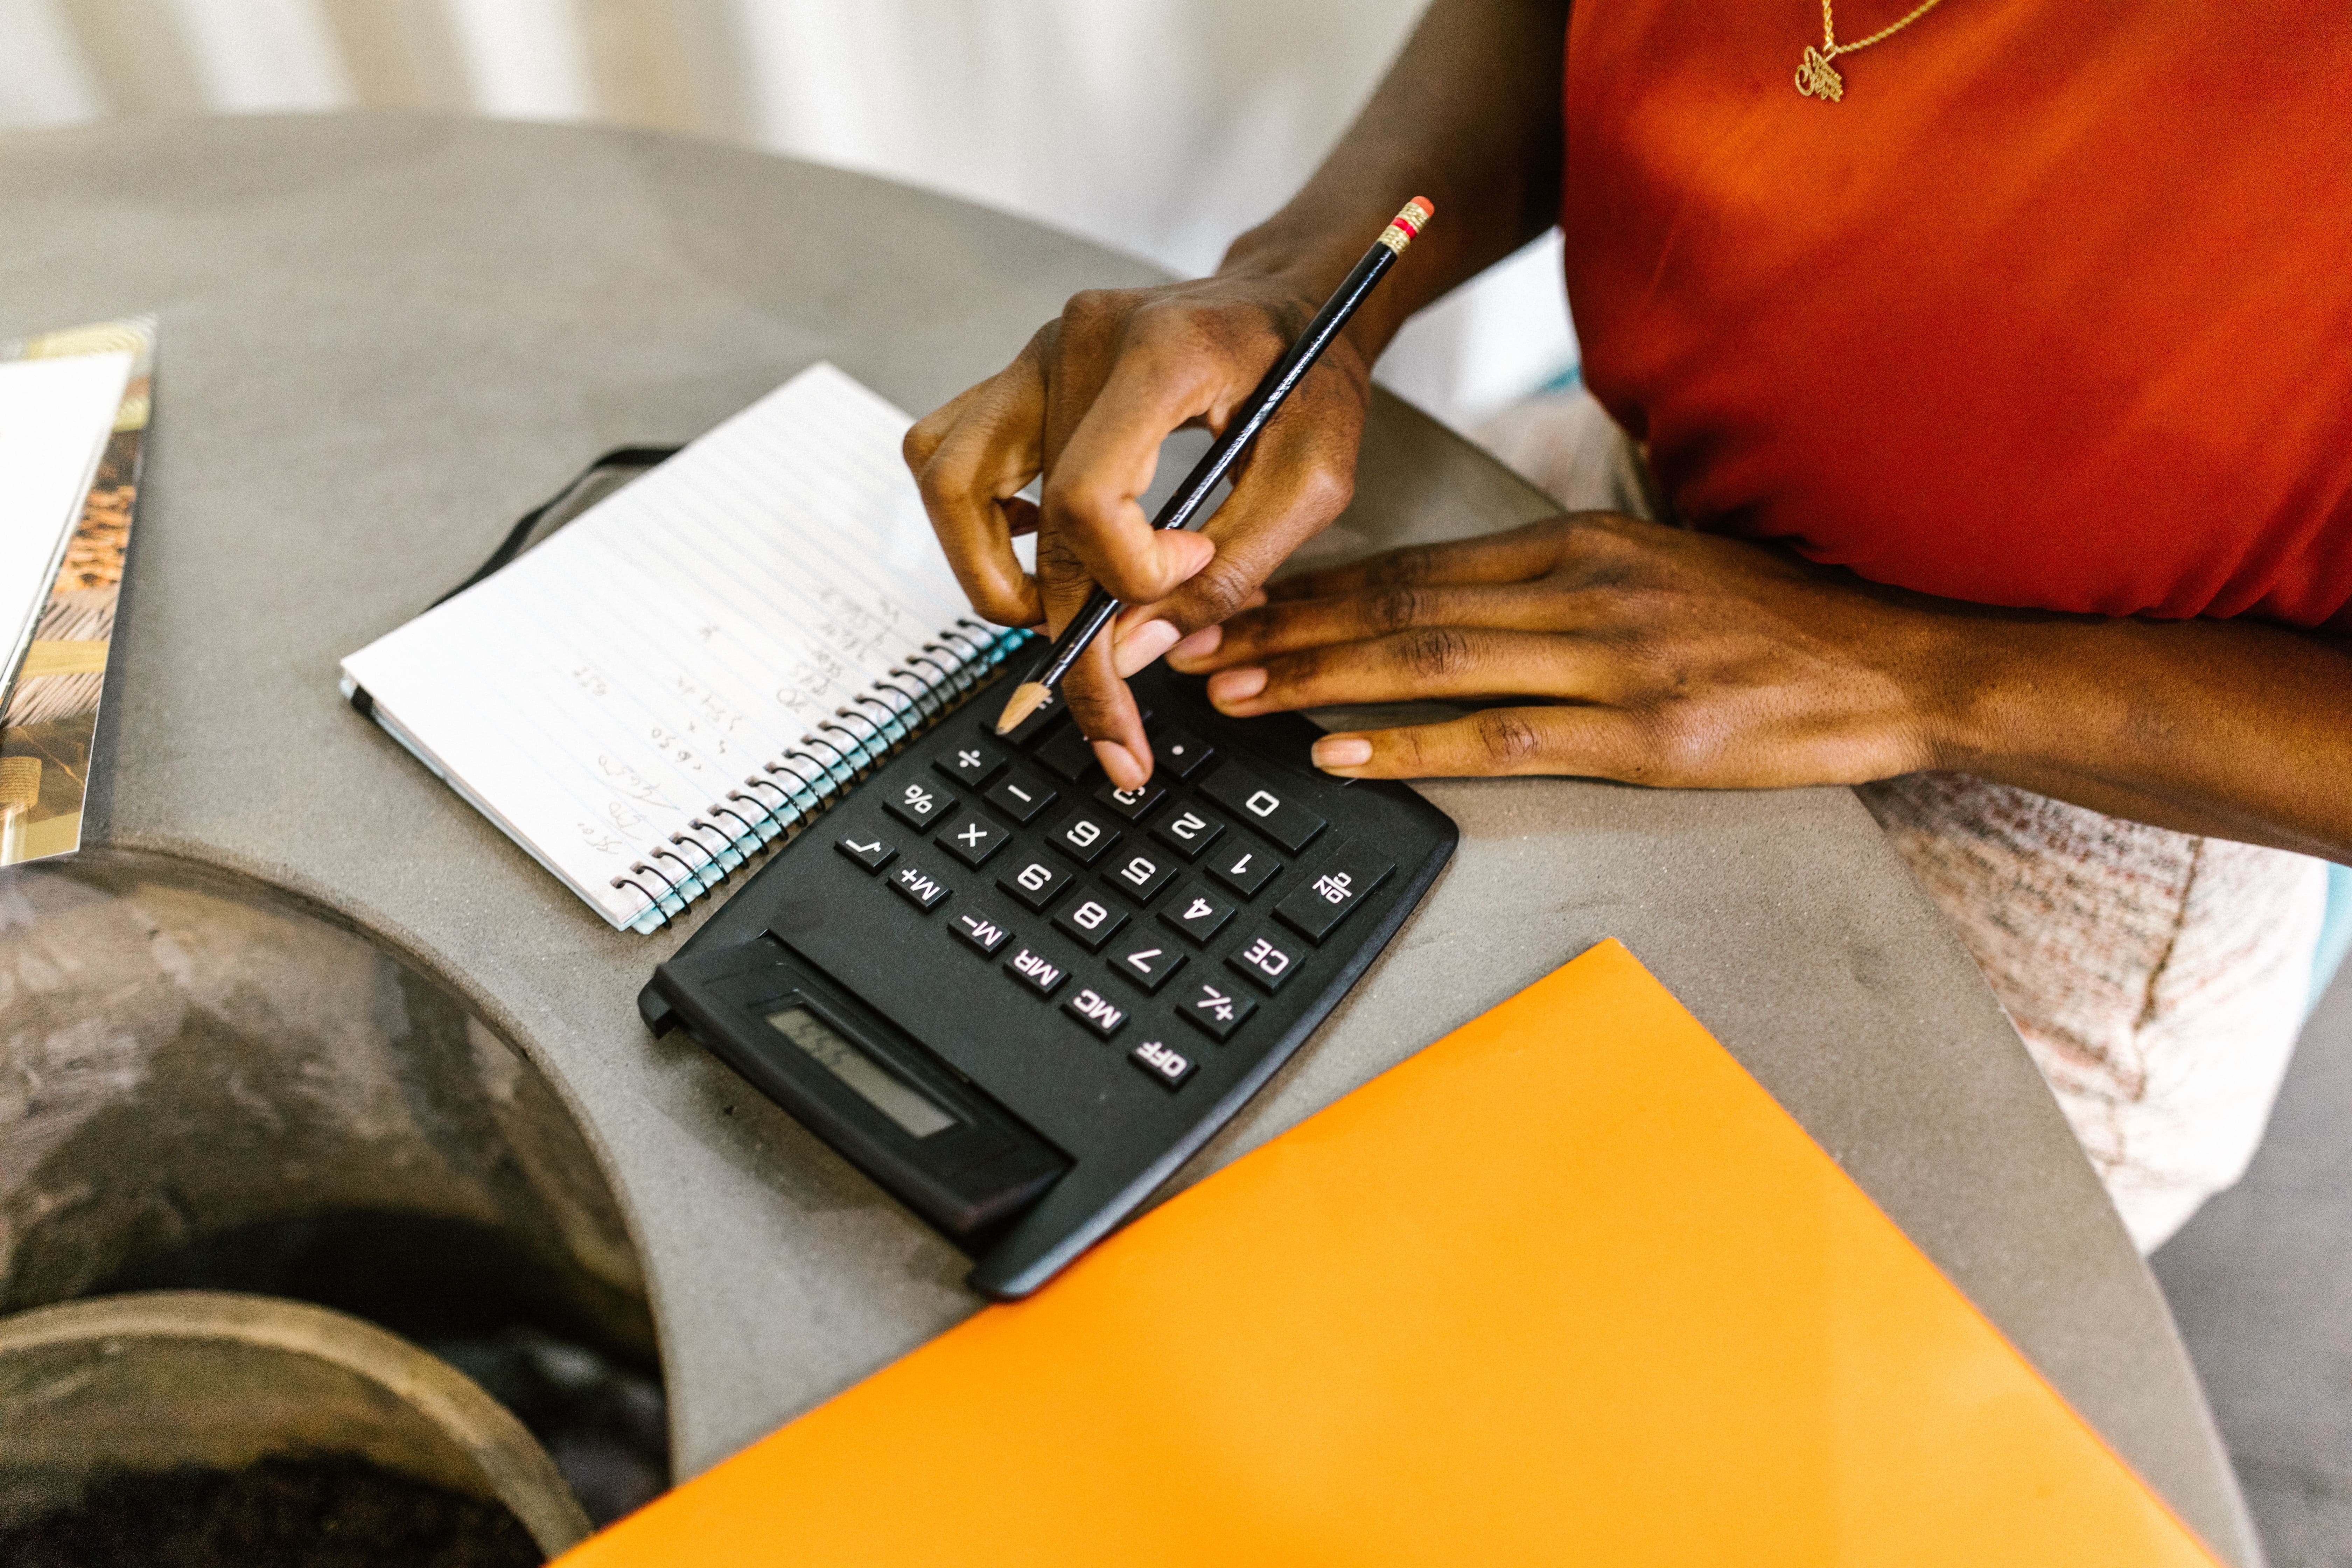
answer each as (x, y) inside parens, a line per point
(871, 1081)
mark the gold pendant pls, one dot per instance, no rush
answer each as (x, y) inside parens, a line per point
(1816, 78)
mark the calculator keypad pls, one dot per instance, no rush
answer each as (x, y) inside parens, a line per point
(1143, 883)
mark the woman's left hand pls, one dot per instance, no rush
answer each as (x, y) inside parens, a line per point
(1640, 653)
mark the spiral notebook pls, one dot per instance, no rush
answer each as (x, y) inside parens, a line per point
(698, 664)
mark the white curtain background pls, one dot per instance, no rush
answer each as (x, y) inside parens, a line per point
(1161, 127)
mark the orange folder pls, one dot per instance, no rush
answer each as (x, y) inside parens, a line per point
(1567, 1286)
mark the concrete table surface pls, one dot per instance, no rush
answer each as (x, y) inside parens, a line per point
(382, 337)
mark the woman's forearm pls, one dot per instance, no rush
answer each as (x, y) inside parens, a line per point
(1469, 116)
(2229, 728)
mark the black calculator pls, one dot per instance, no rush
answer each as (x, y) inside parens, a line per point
(1017, 997)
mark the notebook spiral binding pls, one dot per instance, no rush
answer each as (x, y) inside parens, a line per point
(812, 773)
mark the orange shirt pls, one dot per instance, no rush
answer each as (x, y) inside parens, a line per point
(2053, 308)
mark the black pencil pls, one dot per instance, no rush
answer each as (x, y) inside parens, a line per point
(1183, 508)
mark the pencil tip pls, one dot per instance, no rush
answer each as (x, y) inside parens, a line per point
(1027, 698)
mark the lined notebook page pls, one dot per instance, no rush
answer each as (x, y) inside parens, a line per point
(618, 683)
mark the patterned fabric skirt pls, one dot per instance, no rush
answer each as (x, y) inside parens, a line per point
(2158, 979)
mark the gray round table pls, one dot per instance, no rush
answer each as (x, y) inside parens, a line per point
(385, 336)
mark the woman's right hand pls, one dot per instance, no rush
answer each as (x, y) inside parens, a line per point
(1086, 404)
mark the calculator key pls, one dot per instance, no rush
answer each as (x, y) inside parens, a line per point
(979, 932)
(868, 851)
(918, 887)
(1197, 911)
(1215, 1009)
(1146, 960)
(1314, 908)
(1244, 866)
(1284, 820)
(974, 839)
(1035, 970)
(1269, 959)
(1068, 753)
(1049, 713)
(918, 806)
(1090, 922)
(1162, 1064)
(1179, 753)
(1084, 837)
(1035, 883)
(970, 764)
(1096, 1011)
(1130, 803)
(1139, 874)
(1188, 831)
(1020, 797)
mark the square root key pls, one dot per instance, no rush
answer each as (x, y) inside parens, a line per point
(868, 850)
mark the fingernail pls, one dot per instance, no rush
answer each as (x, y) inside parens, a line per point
(1237, 685)
(1120, 762)
(1142, 646)
(1200, 645)
(1341, 752)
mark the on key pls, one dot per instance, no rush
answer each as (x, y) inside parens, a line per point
(1269, 811)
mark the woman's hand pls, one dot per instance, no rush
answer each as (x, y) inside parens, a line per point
(1645, 653)
(1086, 403)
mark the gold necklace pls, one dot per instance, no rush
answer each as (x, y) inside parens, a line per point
(1815, 76)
